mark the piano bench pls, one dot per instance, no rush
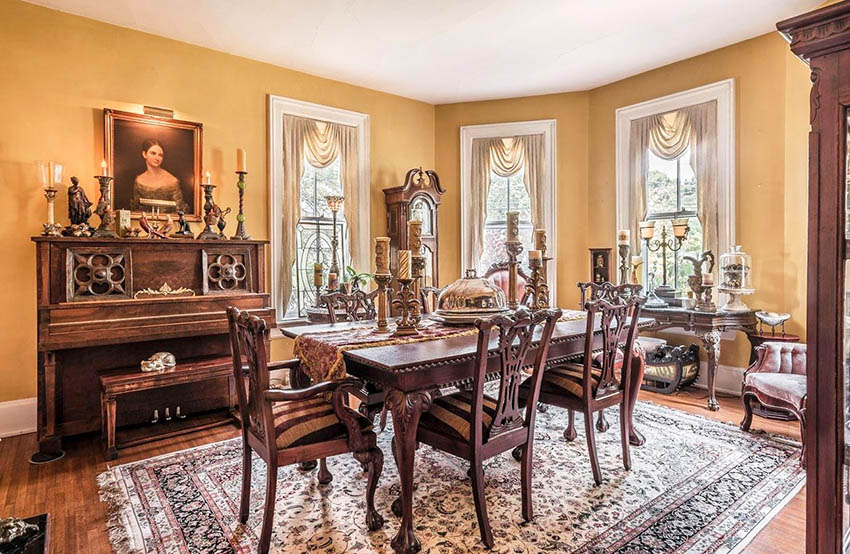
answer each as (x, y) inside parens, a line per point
(118, 382)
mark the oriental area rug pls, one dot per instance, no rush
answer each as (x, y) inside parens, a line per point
(696, 486)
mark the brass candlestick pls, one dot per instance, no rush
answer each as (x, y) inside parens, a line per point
(51, 228)
(383, 280)
(514, 249)
(211, 212)
(673, 244)
(625, 263)
(334, 203)
(405, 302)
(537, 286)
(106, 229)
(417, 270)
(241, 234)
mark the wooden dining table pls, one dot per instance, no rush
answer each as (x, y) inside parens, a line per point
(411, 374)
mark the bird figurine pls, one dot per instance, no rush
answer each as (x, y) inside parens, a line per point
(152, 229)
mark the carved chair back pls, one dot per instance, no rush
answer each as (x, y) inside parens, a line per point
(498, 275)
(618, 319)
(515, 334)
(358, 306)
(607, 291)
(429, 297)
(248, 339)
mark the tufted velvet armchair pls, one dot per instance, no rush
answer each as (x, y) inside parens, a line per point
(777, 380)
(498, 275)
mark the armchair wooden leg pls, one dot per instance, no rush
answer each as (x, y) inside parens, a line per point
(802, 417)
(602, 424)
(481, 503)
(527, 508)
(570, 432)
(325, 476)
(268, 512)
(591, 447)
(624, 432)
(748, 412)
(245, 499)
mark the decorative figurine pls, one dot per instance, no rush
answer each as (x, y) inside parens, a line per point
(153, 229)
(104, 209)
(702, 283)
(221, 222)
(184, 231)
(79, 211)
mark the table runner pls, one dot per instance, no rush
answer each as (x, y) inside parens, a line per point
(321, 353)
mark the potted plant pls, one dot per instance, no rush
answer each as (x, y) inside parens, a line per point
(352, 280)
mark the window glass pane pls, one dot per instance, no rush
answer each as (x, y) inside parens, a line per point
(688, 183)
(661, 194)
(316, 184)
(497, 198)
(505, 194)
(678, 269)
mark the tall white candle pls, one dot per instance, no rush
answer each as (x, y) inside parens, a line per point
(241, 162)
(103, 168)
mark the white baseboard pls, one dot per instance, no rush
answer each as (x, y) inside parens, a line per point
(728, 380)
(18, 417)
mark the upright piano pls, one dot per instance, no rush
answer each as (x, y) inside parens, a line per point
(106, 304)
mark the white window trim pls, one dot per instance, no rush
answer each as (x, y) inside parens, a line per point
(724, 93)
(546, 127)
(278, 106)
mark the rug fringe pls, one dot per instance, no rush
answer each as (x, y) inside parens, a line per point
(119, 516)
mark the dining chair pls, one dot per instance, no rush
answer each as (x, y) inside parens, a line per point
(498, 275)
(476, 426)
(285, 426)
(358, 305)
(601, 379)
(429, 297)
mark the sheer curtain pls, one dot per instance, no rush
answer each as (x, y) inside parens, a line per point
(504, 157)
(321, 142)
(668, 136)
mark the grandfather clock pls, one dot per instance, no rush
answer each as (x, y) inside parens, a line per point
(417, 199)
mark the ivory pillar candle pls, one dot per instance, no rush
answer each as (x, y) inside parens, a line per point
(707, 280)
(241, 162)
(332, 281)
(404, 264)
(624, 237)
(414, 236)
(534, 255)
(382, 255)
(317, 275)
(513, 227)
(540, 239)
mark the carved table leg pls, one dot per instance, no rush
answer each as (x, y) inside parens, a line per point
(49, 444)
(711, 341)
(406, 409)
(638, 367)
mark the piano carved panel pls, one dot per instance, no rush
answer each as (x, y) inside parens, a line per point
(226, 270)
(95, 273)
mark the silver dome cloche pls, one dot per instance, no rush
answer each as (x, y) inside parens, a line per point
(469, 298)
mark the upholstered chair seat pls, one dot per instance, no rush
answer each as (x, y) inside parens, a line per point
(311, 421)
(787, 387)
(451, 415)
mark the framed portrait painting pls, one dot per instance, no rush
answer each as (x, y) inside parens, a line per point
(156, 163)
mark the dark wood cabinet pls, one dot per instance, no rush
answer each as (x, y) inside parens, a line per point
(418, 198)
(107, 304)
(822, 39)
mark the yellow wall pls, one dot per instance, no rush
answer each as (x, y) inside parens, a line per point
(771, 125)
(59, 72)
(571, 113)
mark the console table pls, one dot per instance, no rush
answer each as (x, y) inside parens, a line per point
(708, 327)
(106, 304)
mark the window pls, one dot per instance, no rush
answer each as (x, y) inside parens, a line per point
(671, 192)
(506, 194)
(314, 234)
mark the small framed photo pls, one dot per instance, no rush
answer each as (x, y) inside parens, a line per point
(156, 163)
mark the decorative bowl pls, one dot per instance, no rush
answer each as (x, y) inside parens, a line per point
(469, 298)
(773, 318)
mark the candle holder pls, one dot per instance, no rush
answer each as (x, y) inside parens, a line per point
(674, 244)
(702, 292)
(625, 263)
(334, 203)
(241, 234)
(417, 270)
(514, 249)
(106, 229)
(536, 287)
(383, 304)
(211, 212)
(405, 302)
(51, 228)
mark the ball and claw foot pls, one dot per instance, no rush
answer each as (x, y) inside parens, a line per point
(308, 466)
(517, 453)
(396, 507)
(324, 476)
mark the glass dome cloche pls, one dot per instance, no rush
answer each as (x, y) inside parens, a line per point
(736, 279)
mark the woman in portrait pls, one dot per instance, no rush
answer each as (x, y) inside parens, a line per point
(156, 183)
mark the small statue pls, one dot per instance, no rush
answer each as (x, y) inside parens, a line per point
(221, 222)
(79, 210)
(183, 226)
(12, 528)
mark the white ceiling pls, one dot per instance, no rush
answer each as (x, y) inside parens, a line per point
(443, 51)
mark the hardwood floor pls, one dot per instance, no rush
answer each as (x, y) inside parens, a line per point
(67, 489)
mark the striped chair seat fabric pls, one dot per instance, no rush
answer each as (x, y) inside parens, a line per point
(310, 421)
(450, 415)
